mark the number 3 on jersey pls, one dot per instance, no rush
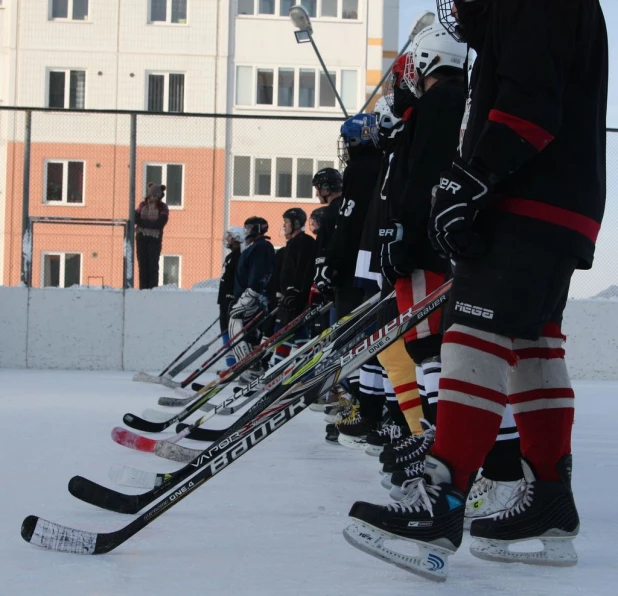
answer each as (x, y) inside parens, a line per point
(347, 208)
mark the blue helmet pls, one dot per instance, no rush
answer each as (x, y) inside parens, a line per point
(360, 130)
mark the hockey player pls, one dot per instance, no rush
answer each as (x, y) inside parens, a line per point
(296, 276)
(518, 212)
(253, 272)
(234, 240)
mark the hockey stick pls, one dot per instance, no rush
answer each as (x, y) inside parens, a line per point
(229, 375)
(345, 329)
(311, 383)
(142, 376)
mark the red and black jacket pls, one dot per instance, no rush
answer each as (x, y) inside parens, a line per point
(537, 121)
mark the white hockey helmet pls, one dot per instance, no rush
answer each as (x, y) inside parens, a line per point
(385, 117)
(433, 48)
(235, 233)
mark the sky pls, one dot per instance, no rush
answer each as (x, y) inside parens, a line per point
(585, 284)
(410, 9)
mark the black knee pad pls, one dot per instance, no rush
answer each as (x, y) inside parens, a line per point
(423, 349)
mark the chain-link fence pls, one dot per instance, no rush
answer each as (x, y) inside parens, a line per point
(70, 181)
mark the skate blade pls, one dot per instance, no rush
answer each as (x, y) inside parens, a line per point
(351, 442)
(431, 562)
(374, 450)
(557, 551)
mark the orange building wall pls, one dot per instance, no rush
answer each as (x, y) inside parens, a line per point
(195, 231)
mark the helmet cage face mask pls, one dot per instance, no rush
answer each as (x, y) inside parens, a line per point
(447, 18)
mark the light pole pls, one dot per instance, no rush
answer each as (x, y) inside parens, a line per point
(425, 20)
(301, 20)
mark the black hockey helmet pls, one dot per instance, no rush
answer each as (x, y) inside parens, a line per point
(328, 179)
(255, 226)
(317, 215)
(297, 217)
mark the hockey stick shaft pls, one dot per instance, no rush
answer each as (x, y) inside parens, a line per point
(311, 384)
(167, 368)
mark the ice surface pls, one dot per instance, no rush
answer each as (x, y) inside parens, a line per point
(268, 525)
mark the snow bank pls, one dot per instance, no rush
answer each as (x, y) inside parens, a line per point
(132, 330)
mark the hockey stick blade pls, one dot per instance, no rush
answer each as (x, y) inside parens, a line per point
(85, 490)
(144, 377)
(134, 478)
(129, 439)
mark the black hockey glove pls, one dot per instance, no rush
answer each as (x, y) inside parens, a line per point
(462, 193)
(291, 300)
(324, 275)
(395, 259)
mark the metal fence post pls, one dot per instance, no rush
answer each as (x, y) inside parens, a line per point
(26, 232)
(129, 278)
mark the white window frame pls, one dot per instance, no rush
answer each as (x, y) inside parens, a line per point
(272, 198)
(163, 166)
(278, 15)
(161, 263)
(56, 253)
(69, 19)
(168, 16)
(275, 68)
(166, 89)
(67, 86)
(65, 183)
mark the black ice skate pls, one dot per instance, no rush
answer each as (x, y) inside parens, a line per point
(539, 510)
(415, 452)
(407, 443)
(354, 433)
(401, 482)
(431, 515)
(378, 440)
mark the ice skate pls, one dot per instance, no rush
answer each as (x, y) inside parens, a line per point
(330, 397)
(339, 410)
(378, 440)
(402, 481)
(430, 515)
(414, 452)
(488, 498)
(408, 443)
(354, 433)
(539, 510)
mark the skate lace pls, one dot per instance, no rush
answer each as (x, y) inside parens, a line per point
(420, 497)
(352, 418)
(393, 431)
(413, 472)
(521, 499)
(427, 440)
(481, 487)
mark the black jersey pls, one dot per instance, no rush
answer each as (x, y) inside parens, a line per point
(226, 285)
(359, 180)
(255, 267)
(298, 265)
(536, 124)
(327, 226)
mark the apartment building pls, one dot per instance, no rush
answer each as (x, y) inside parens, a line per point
(178, 57)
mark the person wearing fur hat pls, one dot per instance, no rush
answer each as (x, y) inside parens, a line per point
(150, 218)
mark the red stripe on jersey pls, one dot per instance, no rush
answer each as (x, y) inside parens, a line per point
(406, 387)
(553, 330)
(545, 353)
(538, 137)
(408, 405)
(551, 214)
(534, 394)
(476, 343)
(472, 389)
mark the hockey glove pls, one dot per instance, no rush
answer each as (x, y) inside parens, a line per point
(462, 193)
(315, 297)
(291, 300)
(395, 259)
(247, 306)
(324, 275)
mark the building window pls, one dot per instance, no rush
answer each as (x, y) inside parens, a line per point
(285, 6)
(267, 6)
(66, 89)
(64, 182)
(169, 270)
(277, 87)
(292, 178)
(246, 6)
(329, 8)
(350, 9)
(265, 84)
(167, 11)
(72, 10)
(166, 92)
(62, 270)
(171, 175)
(311, 7)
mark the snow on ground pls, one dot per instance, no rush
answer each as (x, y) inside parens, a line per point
(270, 524)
